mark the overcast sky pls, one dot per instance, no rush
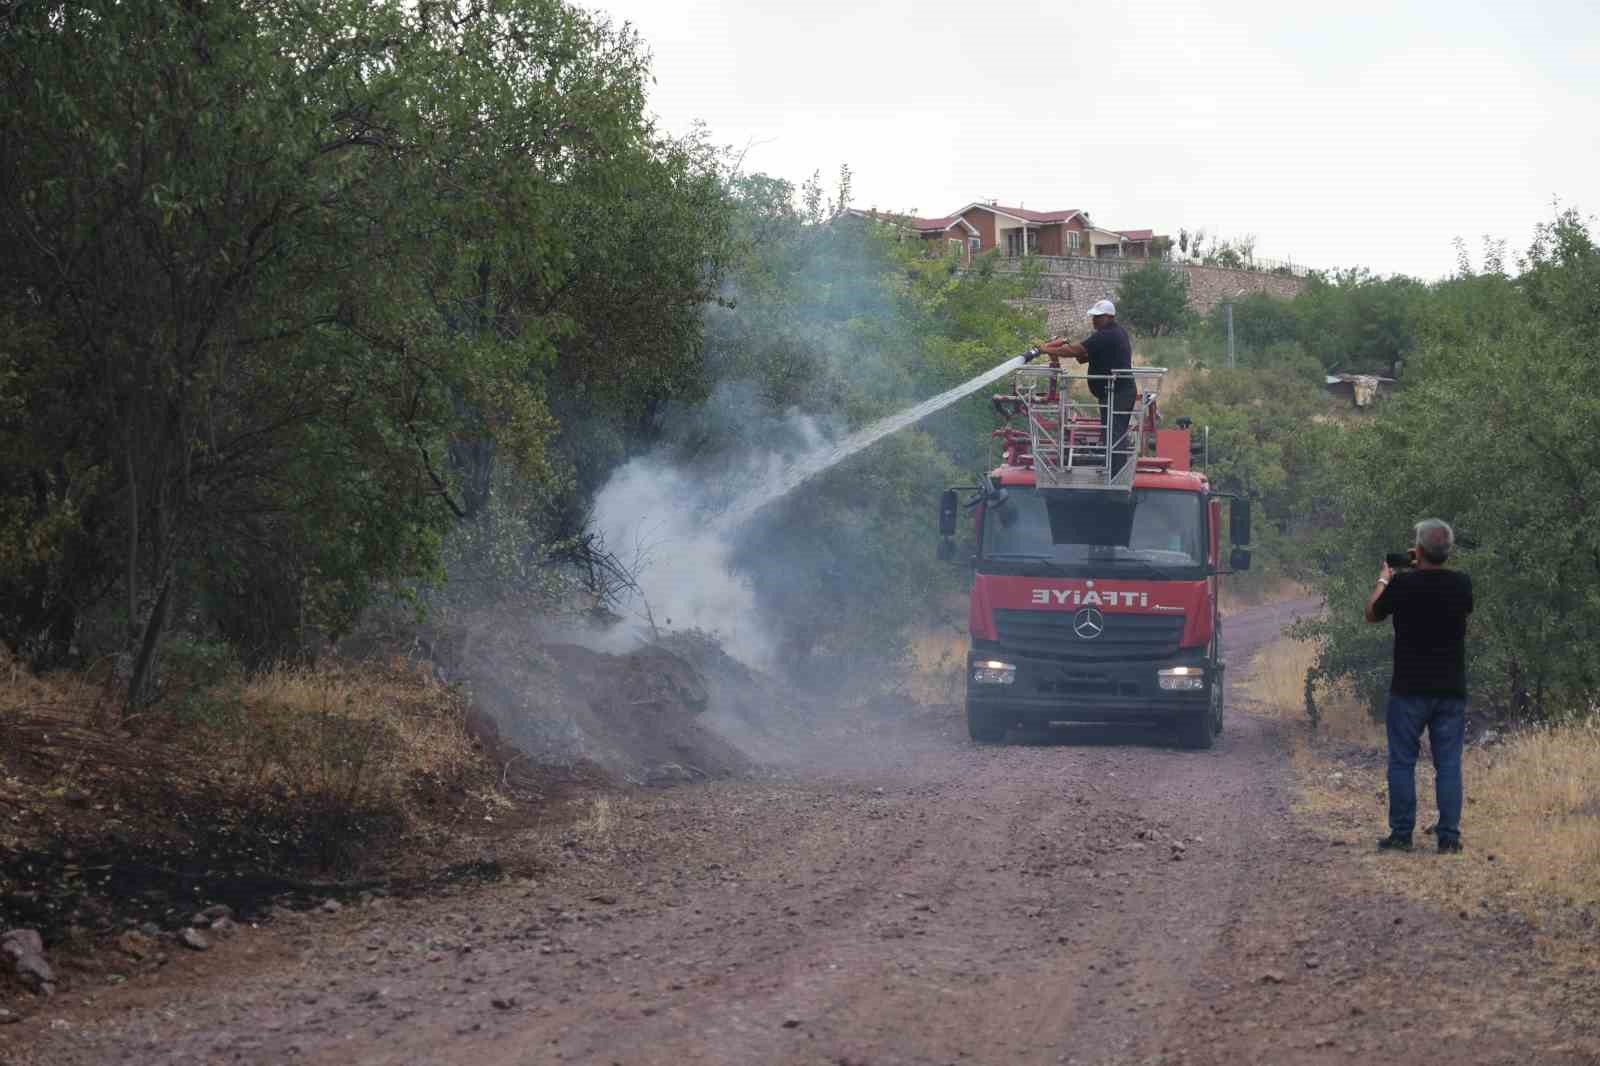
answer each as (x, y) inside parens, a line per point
(1364, 134)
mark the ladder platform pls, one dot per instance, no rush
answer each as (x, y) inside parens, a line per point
(1064, 440)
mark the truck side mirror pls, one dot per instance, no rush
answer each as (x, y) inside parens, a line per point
(949, 507)
(1239, 559)
(1239, 522)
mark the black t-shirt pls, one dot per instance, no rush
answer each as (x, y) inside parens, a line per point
(1109, 349)
(1430, 609)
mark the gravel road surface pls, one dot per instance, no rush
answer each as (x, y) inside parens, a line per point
(903, 897)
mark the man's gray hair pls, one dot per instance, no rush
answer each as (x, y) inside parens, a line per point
(1435, 538)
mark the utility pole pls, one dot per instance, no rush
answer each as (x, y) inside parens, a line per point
(1229, 306)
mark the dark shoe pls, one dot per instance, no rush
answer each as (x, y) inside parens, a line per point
(1449, 844)
(1395, 842)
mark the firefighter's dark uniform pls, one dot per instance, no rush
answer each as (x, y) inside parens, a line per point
(1109, 349)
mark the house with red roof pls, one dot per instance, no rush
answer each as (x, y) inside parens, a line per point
(1017, 232)
(1140, 244)
(1021, 231)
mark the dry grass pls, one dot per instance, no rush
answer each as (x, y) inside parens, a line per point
(1172, 385)
(1277, 678)
(367, 735)
(1539, 809)
(598, 822)
(939, 656)
(1531, 822)
(345, 743)
(1532, 817)
(22, 693)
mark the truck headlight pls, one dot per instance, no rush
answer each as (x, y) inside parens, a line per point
(994, 672)
(1182, 678)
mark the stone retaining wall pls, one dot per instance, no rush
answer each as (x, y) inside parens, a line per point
(1210, 285)
(1066, 292)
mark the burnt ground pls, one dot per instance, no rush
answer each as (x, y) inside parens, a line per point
(898, 896)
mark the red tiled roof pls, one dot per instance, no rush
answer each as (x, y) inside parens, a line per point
(1034, 216)
(921, 225)
(1138, 234)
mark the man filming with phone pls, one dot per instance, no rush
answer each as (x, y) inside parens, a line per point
(1428, 690)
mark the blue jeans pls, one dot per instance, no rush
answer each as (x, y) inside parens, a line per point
(1445, 718)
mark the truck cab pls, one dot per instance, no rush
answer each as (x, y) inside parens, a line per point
(1095, 579)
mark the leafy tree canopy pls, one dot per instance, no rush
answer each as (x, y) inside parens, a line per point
(1493, 433)
(280, 284)
(1154, 300)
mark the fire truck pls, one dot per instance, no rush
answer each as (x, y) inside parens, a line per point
(1095, 575)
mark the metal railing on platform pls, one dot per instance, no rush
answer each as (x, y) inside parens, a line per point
(1068, 432)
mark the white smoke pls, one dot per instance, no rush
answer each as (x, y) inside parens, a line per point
(673, 528)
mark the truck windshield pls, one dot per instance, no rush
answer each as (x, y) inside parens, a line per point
(1160, 529)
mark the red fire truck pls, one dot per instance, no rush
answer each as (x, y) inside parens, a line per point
(1095, 579)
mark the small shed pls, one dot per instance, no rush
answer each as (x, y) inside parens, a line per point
(1362, 390)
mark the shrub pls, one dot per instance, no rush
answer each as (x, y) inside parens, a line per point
(1154, 300)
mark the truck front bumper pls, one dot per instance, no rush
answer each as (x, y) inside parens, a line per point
(1047, 691)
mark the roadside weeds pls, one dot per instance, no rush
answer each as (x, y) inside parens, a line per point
(1531, 823)
(939, 655)
(249, 790)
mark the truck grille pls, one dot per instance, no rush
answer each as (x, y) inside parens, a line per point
(1126, 636)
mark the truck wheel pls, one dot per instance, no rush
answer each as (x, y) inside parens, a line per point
(1197, 731)
(983, 726)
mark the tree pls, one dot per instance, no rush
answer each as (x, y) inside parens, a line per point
(1226, 255)
(1503, 381)
(280, 282)
(1154, 300)
(1259, 321)
(1357, 322)
(1267, 443)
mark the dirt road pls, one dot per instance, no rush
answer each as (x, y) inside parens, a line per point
(905, 898)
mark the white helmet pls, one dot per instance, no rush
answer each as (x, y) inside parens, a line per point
(1104, 307)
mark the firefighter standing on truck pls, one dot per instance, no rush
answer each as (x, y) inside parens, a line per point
(1107, 349)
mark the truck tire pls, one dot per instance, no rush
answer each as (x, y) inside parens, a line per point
(983, 726)
(1197, 732)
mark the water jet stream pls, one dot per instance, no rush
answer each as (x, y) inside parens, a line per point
(807, 467)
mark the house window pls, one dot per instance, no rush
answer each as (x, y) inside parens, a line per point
(953, 246)
(1074, 240)
(974, 246)
(1013, 242)
(1033, 242)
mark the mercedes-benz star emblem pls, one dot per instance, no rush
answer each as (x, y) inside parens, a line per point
(1088, 623)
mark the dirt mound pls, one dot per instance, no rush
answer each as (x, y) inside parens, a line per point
(638, 716)
(773, 721)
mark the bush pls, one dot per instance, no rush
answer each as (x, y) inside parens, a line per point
(1259, 321)
(1503, 386)
(1154, 300)
(193, 663)
(1268, 443)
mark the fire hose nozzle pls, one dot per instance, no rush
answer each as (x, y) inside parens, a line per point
(1031, 354)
